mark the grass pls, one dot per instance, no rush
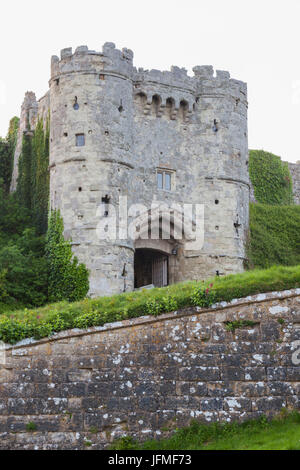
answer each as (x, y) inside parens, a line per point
(281, 433)
(46, 321)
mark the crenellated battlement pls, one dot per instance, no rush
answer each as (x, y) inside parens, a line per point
(86, 60)
(120, 62)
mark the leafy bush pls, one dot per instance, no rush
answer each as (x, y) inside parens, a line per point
(67, 278)
(26, 269)
(271, 178)
(203, 296)
(21, 257)
(50, 319)
(158, 306)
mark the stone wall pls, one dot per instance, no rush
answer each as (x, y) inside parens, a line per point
(295, 174)
(144, 377)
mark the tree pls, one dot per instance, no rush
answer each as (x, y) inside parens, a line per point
(67, 279)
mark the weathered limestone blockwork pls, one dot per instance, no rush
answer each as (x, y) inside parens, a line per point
(295, 174)
(143, 377)
(135, 122)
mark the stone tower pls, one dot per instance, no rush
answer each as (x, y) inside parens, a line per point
(150, 136)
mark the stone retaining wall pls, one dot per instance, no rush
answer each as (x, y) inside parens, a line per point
(144, 377)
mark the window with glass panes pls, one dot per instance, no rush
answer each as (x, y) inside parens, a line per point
(164, 180)
(80, 140)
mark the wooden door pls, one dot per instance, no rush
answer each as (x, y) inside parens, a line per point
(160, 271)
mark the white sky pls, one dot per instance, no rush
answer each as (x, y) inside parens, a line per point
(256, 40)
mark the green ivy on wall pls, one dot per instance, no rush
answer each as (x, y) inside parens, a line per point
(24, 188)
(7, 150)
(40, 176)
(274, 235)
(68, 280)
(33, 179)
(271, 178)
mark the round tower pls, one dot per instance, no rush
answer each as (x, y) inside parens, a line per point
(223, 169)
(90, 158)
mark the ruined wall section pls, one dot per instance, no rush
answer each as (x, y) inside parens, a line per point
(147, 376)
(28, 115)
(295, 174)
(30, 110)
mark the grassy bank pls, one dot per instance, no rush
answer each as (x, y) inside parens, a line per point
(46, 321)
(282, 433)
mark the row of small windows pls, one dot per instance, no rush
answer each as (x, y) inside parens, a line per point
(157, 108)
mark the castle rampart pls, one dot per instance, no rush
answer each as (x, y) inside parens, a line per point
(147, 376)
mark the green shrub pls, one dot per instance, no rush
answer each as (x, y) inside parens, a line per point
(237, 324)
(31, 426)
(26, 269)
(203, 296)
(158, 306)
(67, 278)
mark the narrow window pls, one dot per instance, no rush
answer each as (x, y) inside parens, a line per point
(105, 201)
(75, 104)
(80, 140)
(159, 180)
(168, 181)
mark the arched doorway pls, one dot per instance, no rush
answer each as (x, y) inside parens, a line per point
(150, 267)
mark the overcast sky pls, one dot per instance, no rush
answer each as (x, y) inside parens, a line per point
(256, 40)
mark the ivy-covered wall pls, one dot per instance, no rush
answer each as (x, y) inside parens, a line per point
(270, 178)
(274, 235)
(274, 218)
(7, 148)
(33, 179)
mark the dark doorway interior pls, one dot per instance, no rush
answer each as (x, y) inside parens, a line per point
(150, 267)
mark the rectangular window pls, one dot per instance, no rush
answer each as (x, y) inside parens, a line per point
(80, 140)
(168, 181)
(160, 180)
(165, 180)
